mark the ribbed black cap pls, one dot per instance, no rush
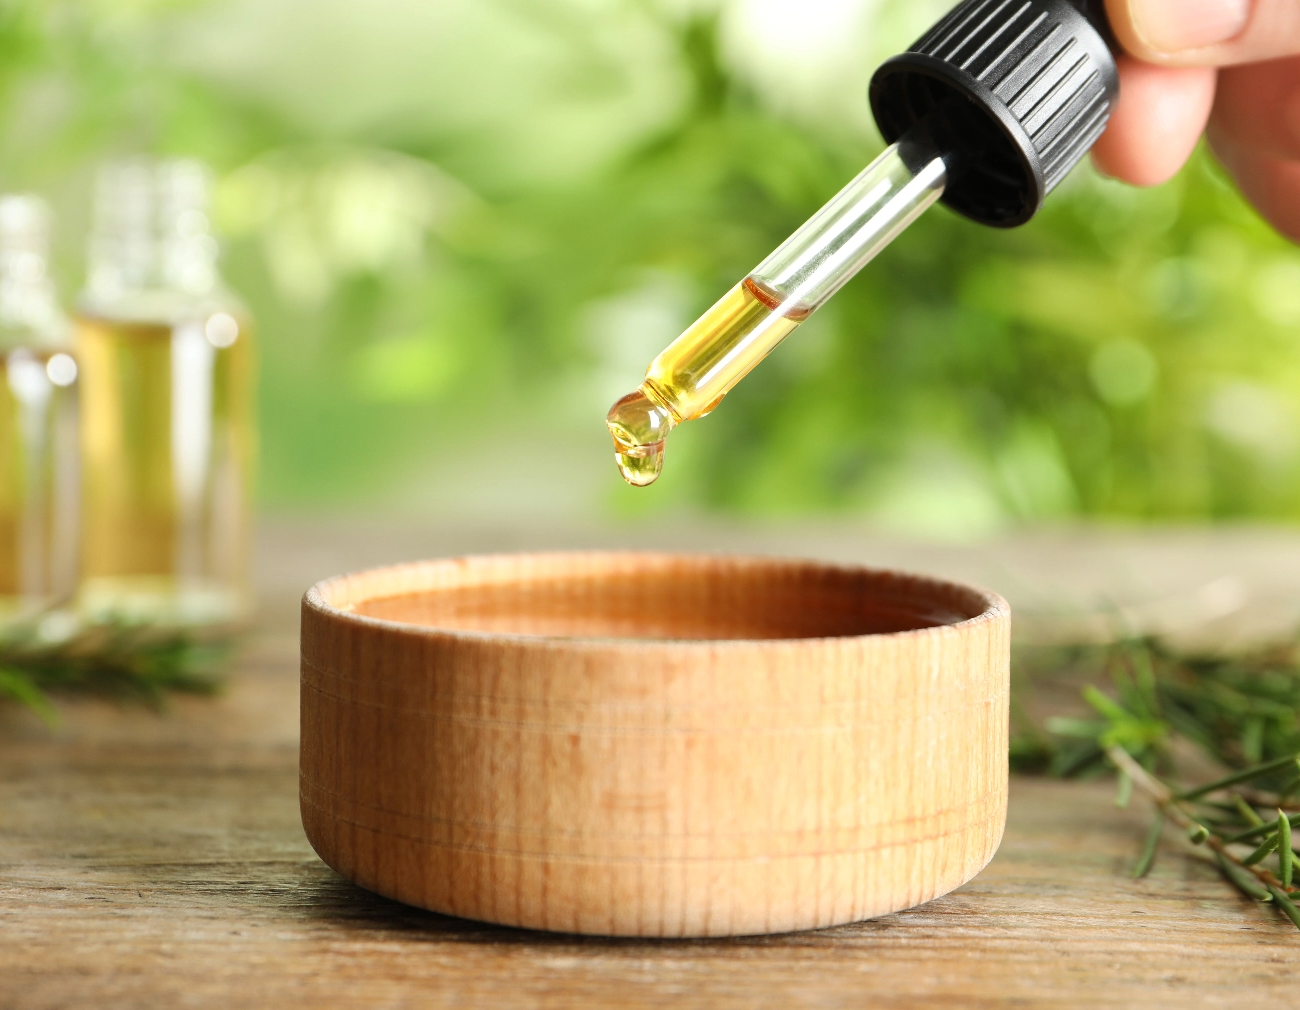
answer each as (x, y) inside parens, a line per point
(1015, 93)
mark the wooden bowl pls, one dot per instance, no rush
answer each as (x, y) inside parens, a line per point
(653, 745)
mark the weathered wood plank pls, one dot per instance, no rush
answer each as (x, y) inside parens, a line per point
(153, 861)
(150, 861)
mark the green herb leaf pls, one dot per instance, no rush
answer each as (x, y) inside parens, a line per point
(1125, 791)
(1286, 904)
(1252, 833)
(1148, 856)
(1110, 709)
(1285, 857)
(1242, 776)
(20, 687)
(1247, 812)
(1245, 882)
(1267, 846)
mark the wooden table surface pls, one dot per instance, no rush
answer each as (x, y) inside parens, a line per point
(157, 860)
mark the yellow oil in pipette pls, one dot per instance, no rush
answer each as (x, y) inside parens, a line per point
(692, 375)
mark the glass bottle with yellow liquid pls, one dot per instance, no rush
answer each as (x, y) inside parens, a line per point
(38, 421)
(167, 430)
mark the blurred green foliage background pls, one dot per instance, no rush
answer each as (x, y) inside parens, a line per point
(466, 226)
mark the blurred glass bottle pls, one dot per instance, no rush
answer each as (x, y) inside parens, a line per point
(38, 419)
(167, 431)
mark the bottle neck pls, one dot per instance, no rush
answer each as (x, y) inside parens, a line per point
(151, 250)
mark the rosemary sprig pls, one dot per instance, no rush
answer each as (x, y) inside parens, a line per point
(1242, 712)
(1246, 874)
(55, 651)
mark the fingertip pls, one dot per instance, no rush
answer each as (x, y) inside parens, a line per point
(1161, 114)
(1180, 32)
(1206, 33)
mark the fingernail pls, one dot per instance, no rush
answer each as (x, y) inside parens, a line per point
(1170, 26)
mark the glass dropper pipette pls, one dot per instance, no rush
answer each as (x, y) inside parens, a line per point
(692, 375)
(988, 111)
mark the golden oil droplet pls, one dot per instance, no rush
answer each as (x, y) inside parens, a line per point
(639, 464)
(639, 426)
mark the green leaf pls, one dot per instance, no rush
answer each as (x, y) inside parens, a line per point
(1144, 678)
(1266, 846)
(1285, 857)
(20, 687)
(1124, 792)
(1252, 833)
(1246, 882)
(1285, 903)
(1107, 706)
(1247, 812)
(1148, 856)
(1085, 729)
(1245, 775)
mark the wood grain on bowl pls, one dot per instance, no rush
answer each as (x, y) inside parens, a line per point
(653, 745)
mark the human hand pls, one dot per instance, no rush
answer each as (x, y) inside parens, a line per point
(1229, 68)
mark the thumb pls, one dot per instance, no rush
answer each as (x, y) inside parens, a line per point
(1206, 33)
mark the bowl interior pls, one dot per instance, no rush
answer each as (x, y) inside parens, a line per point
(655, 597)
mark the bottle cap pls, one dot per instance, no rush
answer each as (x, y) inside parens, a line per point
(1014, 93)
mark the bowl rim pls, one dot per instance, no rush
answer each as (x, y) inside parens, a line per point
(315, 599)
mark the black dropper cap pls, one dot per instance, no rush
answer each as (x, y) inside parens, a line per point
(1012, 92)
